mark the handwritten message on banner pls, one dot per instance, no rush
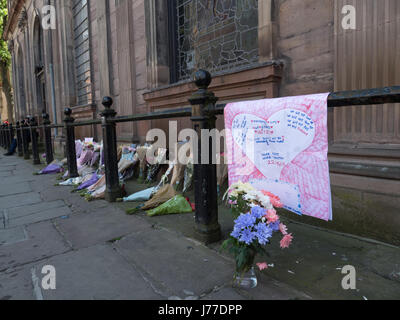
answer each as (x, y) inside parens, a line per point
(281, 145)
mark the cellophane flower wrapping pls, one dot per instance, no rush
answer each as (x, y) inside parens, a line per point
(52, 168)
(161, 196)
(154, 168)
(78, 148)
(141, 196)
(89, 183)
(142, 154)
(177, 205)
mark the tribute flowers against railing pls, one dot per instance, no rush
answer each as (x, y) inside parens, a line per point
(256, 223)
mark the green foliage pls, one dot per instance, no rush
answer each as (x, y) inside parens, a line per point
(244, 254)
(5, 56)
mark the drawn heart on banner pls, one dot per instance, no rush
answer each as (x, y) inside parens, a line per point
(274, 143)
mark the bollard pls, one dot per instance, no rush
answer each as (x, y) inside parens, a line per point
(113, 191)
(19, 139)
(47, 137)
(70, 144)
(34, 139)
(25, 139)
(205, 175)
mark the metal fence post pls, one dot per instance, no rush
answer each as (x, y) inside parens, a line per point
(25, 140)
(1, 135)
(47, 137)
(19, 139)
(8, 136)
(11, 129)
(5, 136)
(113, 191)
(205, 175)
(34, 139)
(70, 144)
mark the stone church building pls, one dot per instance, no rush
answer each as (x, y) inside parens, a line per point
(143, 53)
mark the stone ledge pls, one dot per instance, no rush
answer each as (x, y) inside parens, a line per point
(259, 82)
(366, 184)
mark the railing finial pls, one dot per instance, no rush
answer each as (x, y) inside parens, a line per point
(108, 112)
(202, 79)
(107, 102)
(68, 112)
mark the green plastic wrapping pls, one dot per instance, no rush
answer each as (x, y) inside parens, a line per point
(176, 205)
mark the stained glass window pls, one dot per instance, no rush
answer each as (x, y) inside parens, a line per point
(82, 52)
(216, 35)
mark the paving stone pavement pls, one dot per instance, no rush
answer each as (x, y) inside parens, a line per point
(99, 252)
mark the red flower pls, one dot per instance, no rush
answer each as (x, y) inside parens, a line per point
(275, 200)
(262, 266)
(271, 216)
(286, 241)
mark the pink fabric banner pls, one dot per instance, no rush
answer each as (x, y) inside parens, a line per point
(281, 146)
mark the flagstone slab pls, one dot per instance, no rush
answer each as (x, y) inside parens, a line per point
(96, 273)
(11, 236)
(7, 189)
(19, 178)
(88, 229)
(16, 284)
(42, 240)
(38, 217)
(224, 294)
(23, 211)
(19, 200)
(5, 174)
(176, 262)
(9, 164)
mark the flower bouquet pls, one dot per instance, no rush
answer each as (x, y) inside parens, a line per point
(256, 223)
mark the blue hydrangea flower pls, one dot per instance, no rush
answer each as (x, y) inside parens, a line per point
(258, 212)
(263, 234)
(236, 233)
(275, 226)
(245, 221)
(247, 236)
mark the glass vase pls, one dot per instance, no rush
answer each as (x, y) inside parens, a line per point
(247, 280)
(245, 275)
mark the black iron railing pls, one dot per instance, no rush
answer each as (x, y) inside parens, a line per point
(203, 115)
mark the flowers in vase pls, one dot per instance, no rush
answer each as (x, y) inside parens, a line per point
(256, 222)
